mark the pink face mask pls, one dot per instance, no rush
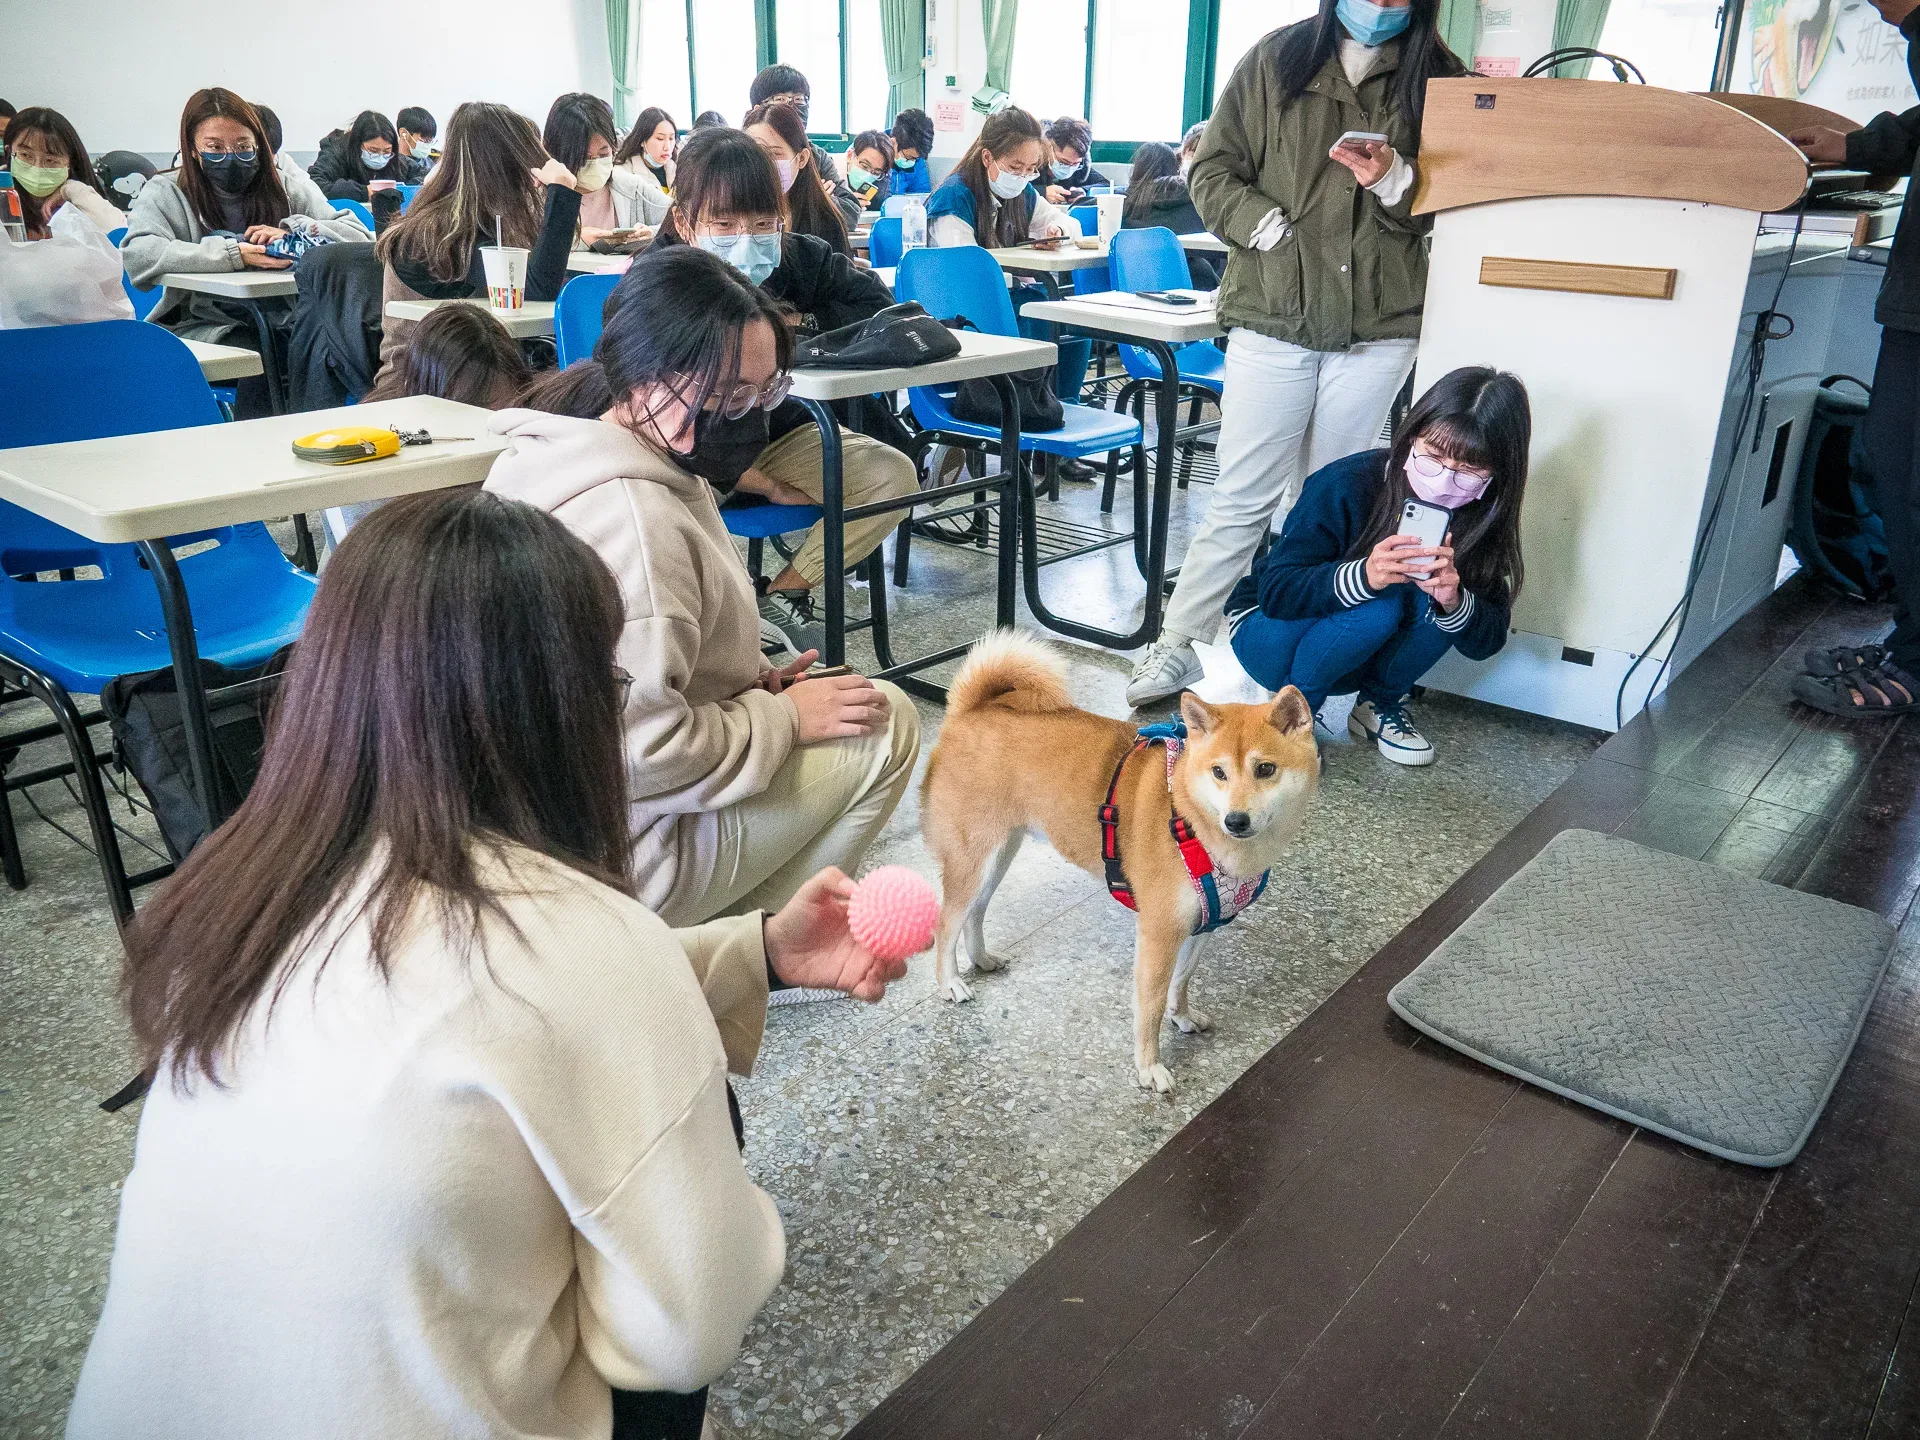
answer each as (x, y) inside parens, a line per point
(1441, 485)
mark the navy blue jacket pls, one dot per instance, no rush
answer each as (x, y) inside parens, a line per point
(1305, 575)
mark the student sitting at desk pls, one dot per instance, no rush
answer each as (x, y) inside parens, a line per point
(1346, 601)
(730, 203)
(495, 179)
(779, 131)
(648, 153)
(417, 155)
(368, 152)
(912, 144)
(1157, 196)
(68, 273)
(1069, 161)
(744, 780)
(614, 203)
(784, 85)
(275, 137)
(870, 167)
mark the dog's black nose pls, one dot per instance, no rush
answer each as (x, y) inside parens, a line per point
(1237, 822)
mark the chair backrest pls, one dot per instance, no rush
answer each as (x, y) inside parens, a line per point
(354, 207)
(883, 245)
(1095, 279)
(1148, 259)
(579, 315)
(1087, 217)
(407, 192)
(962, 280)
(114, 377)
(895, 206)
(143, 301)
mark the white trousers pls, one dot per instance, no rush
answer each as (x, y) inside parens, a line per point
(1284, 413)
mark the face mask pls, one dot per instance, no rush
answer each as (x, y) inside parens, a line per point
(373, 160)
(1440, 484)
(1372, 24)
(229, 174)
(787, 172)
(39, 181)
(595, 173)
(723, 449)
(754, 256)
(859, 177)
(899, 164)
(1062, 171)
(1007, 184)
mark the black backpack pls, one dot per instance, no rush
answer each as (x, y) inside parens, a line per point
(1836, 532)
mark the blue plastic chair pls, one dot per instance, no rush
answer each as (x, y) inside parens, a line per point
(1093, 281)
(407, 192)
(579, 315)
(1151, 259)
(354, 207)
(965, 280)
(143, 300)
(118, 377)
(884, 244)
(894, 206)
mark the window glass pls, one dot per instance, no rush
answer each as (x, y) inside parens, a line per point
(1139, 69)
(723, 56)
(809, 40)
(663, 62)
(1050, 59)
(1244, 23)
(1671, 41)
(866, 69)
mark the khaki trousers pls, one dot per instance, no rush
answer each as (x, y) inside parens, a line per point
(871, 471)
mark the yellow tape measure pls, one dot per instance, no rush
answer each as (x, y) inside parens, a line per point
(348, 445)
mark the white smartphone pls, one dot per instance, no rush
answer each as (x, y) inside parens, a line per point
(1426, 523)
(1359, 137)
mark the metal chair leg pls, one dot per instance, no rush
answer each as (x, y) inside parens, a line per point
(756, 556)
(902, 545)
(875, 569)
(11, 861)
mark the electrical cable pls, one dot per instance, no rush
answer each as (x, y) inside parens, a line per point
(1763, 323)
(1567, 54)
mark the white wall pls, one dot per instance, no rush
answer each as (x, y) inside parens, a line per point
(317, 65)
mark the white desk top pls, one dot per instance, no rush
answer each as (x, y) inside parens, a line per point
(585, 262)
(235, 284)
(980, 355)
(167, 482)
(1068, 257)
(1201, 240)
(224, 362)
(533, 318)
(1116, 313)
(886, 274)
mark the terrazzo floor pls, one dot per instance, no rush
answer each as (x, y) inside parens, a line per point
(922, 1154)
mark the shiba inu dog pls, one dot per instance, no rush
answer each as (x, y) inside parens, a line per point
(1184, 837)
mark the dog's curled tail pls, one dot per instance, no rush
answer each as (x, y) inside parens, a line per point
(1013, 670)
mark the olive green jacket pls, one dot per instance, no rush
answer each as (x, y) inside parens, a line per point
(1353, 269)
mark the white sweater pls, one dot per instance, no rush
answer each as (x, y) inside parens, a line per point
(463, 1202)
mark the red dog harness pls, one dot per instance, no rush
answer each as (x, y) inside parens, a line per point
(1221, 896)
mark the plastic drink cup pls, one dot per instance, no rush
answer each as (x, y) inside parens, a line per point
(1109, 207)
(506, 267)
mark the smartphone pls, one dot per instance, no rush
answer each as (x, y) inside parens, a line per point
(1167, 297)
(1360, 137)
(1426, 523)
(827, 672)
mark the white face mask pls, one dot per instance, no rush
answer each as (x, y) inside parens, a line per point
(1007, 184)
(595, 173)
(787, 171)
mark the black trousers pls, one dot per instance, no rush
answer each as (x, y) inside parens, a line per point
(1893, 458)
(658, 1415)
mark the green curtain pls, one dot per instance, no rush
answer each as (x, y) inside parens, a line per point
(1460, 27)
(620, 35)
(1578, 22)
(903, 37)
(997, 19)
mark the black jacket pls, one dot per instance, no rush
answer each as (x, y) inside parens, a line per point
(335, 347)
(1170, 205)
(340, 175)
(546, 266)
(1891, 146)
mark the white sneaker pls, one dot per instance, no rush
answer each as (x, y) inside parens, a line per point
(1330, 720)
(774, 643)
(1391, 728)
(1168, 667)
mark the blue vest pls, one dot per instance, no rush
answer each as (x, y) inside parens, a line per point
(955, 199)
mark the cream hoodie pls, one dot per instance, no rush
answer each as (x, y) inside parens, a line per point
(464, 1200)
(700, 733)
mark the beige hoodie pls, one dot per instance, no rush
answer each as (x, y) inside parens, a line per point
(700, 733)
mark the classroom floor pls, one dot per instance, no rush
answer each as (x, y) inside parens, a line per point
(922, 1155)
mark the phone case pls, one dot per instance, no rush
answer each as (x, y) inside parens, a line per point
(1428, 522)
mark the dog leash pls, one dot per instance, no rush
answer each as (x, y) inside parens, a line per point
(1214, 911)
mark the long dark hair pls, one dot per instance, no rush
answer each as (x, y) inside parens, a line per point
(722, 174)
(453, 691)
(485, 172)
(1474, 416)
(676, 318)
(370, 125)
(459, 352)
(57, 133)
(997, 222)
(1306, 47)
(813, 213)
(1154, 181)
(572, 122)
(650, 120)
(580, 391)
(264, 201)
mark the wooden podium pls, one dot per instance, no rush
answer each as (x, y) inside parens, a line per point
(1602, 241)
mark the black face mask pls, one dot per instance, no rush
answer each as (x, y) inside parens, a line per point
(723, 449)
(229, 174)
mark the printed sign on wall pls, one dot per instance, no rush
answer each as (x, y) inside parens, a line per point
(1837, 54)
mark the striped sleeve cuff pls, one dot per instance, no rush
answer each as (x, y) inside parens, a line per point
(1456, 622)
(1350, 584)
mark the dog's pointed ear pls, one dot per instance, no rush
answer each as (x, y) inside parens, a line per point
(1196, 712)
(1290, 714)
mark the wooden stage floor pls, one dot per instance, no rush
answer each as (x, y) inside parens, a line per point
(1368, 1234)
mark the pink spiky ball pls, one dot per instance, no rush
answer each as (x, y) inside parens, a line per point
(892, 912)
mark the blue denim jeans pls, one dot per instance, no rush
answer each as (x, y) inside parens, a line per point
(1380, 649)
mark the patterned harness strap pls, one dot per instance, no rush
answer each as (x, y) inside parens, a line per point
(1214, 911)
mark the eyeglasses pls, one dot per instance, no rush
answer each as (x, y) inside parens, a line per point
(746, 399)
(1434, 466)
(624, 682)
(220, 147)
(1027, 175)
(734, 229)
